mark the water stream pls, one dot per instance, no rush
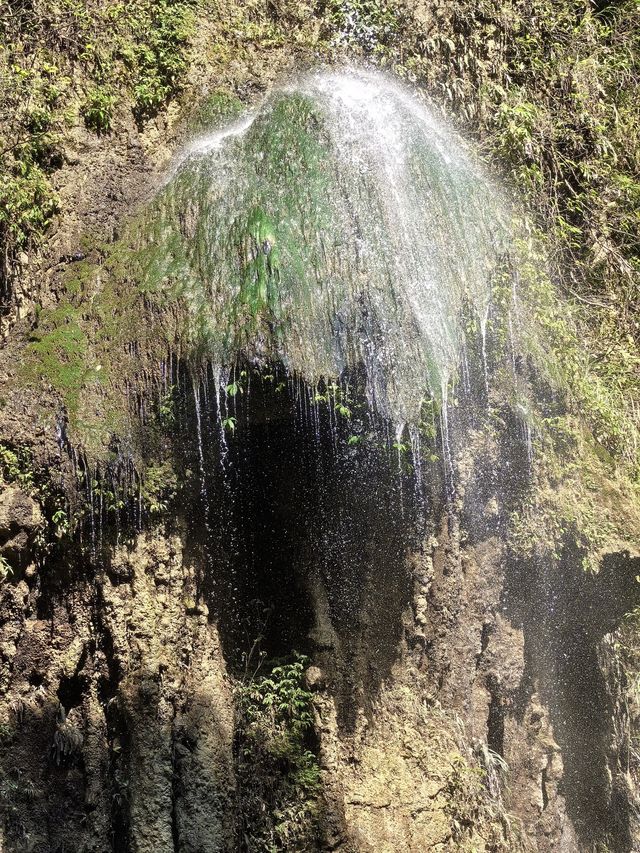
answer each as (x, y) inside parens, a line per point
(346, 400)
(337, 226)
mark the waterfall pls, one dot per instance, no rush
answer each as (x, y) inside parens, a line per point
(338, 225)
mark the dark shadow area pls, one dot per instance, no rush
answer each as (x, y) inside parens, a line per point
(305, 513)
(565, 614)
(495, 721)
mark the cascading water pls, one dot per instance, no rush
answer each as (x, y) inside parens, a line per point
(319, 583)
(334, 251)
(355, 378)
(337, 226)
(333, 248)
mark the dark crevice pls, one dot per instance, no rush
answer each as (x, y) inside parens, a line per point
(485, 635)
(175, 793)
(36, 679)
(72, 691)
(543, 787)
(495, 721)
(119, 748)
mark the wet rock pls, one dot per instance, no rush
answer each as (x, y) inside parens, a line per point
(20, 519)
(315, 678)
(18, 512)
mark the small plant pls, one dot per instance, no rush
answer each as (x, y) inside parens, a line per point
(280, 696)
(5, 569)
(7, 733)
(67, 739)
(237, 386)
(61, 523)
(16, 467)
(167, 409)
(159, 489)
(97, 110)
(27, 203)
(158, 58)
(276, 767)
(229, 424)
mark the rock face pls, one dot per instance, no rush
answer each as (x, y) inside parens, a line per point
(20, 520)
(117, 712)
(463, 697)
(440, 723)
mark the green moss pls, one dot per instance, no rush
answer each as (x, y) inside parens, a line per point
(242, 244)
(260, 276)
(215, 110)
(78, 279)
(577, 494)
(58, 353)
(555, 336)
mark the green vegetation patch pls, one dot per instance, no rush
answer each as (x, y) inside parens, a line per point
(61, 59)
(276, 768)
(372, 27)
(215, 110)
(58, 352)
(17, 466)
